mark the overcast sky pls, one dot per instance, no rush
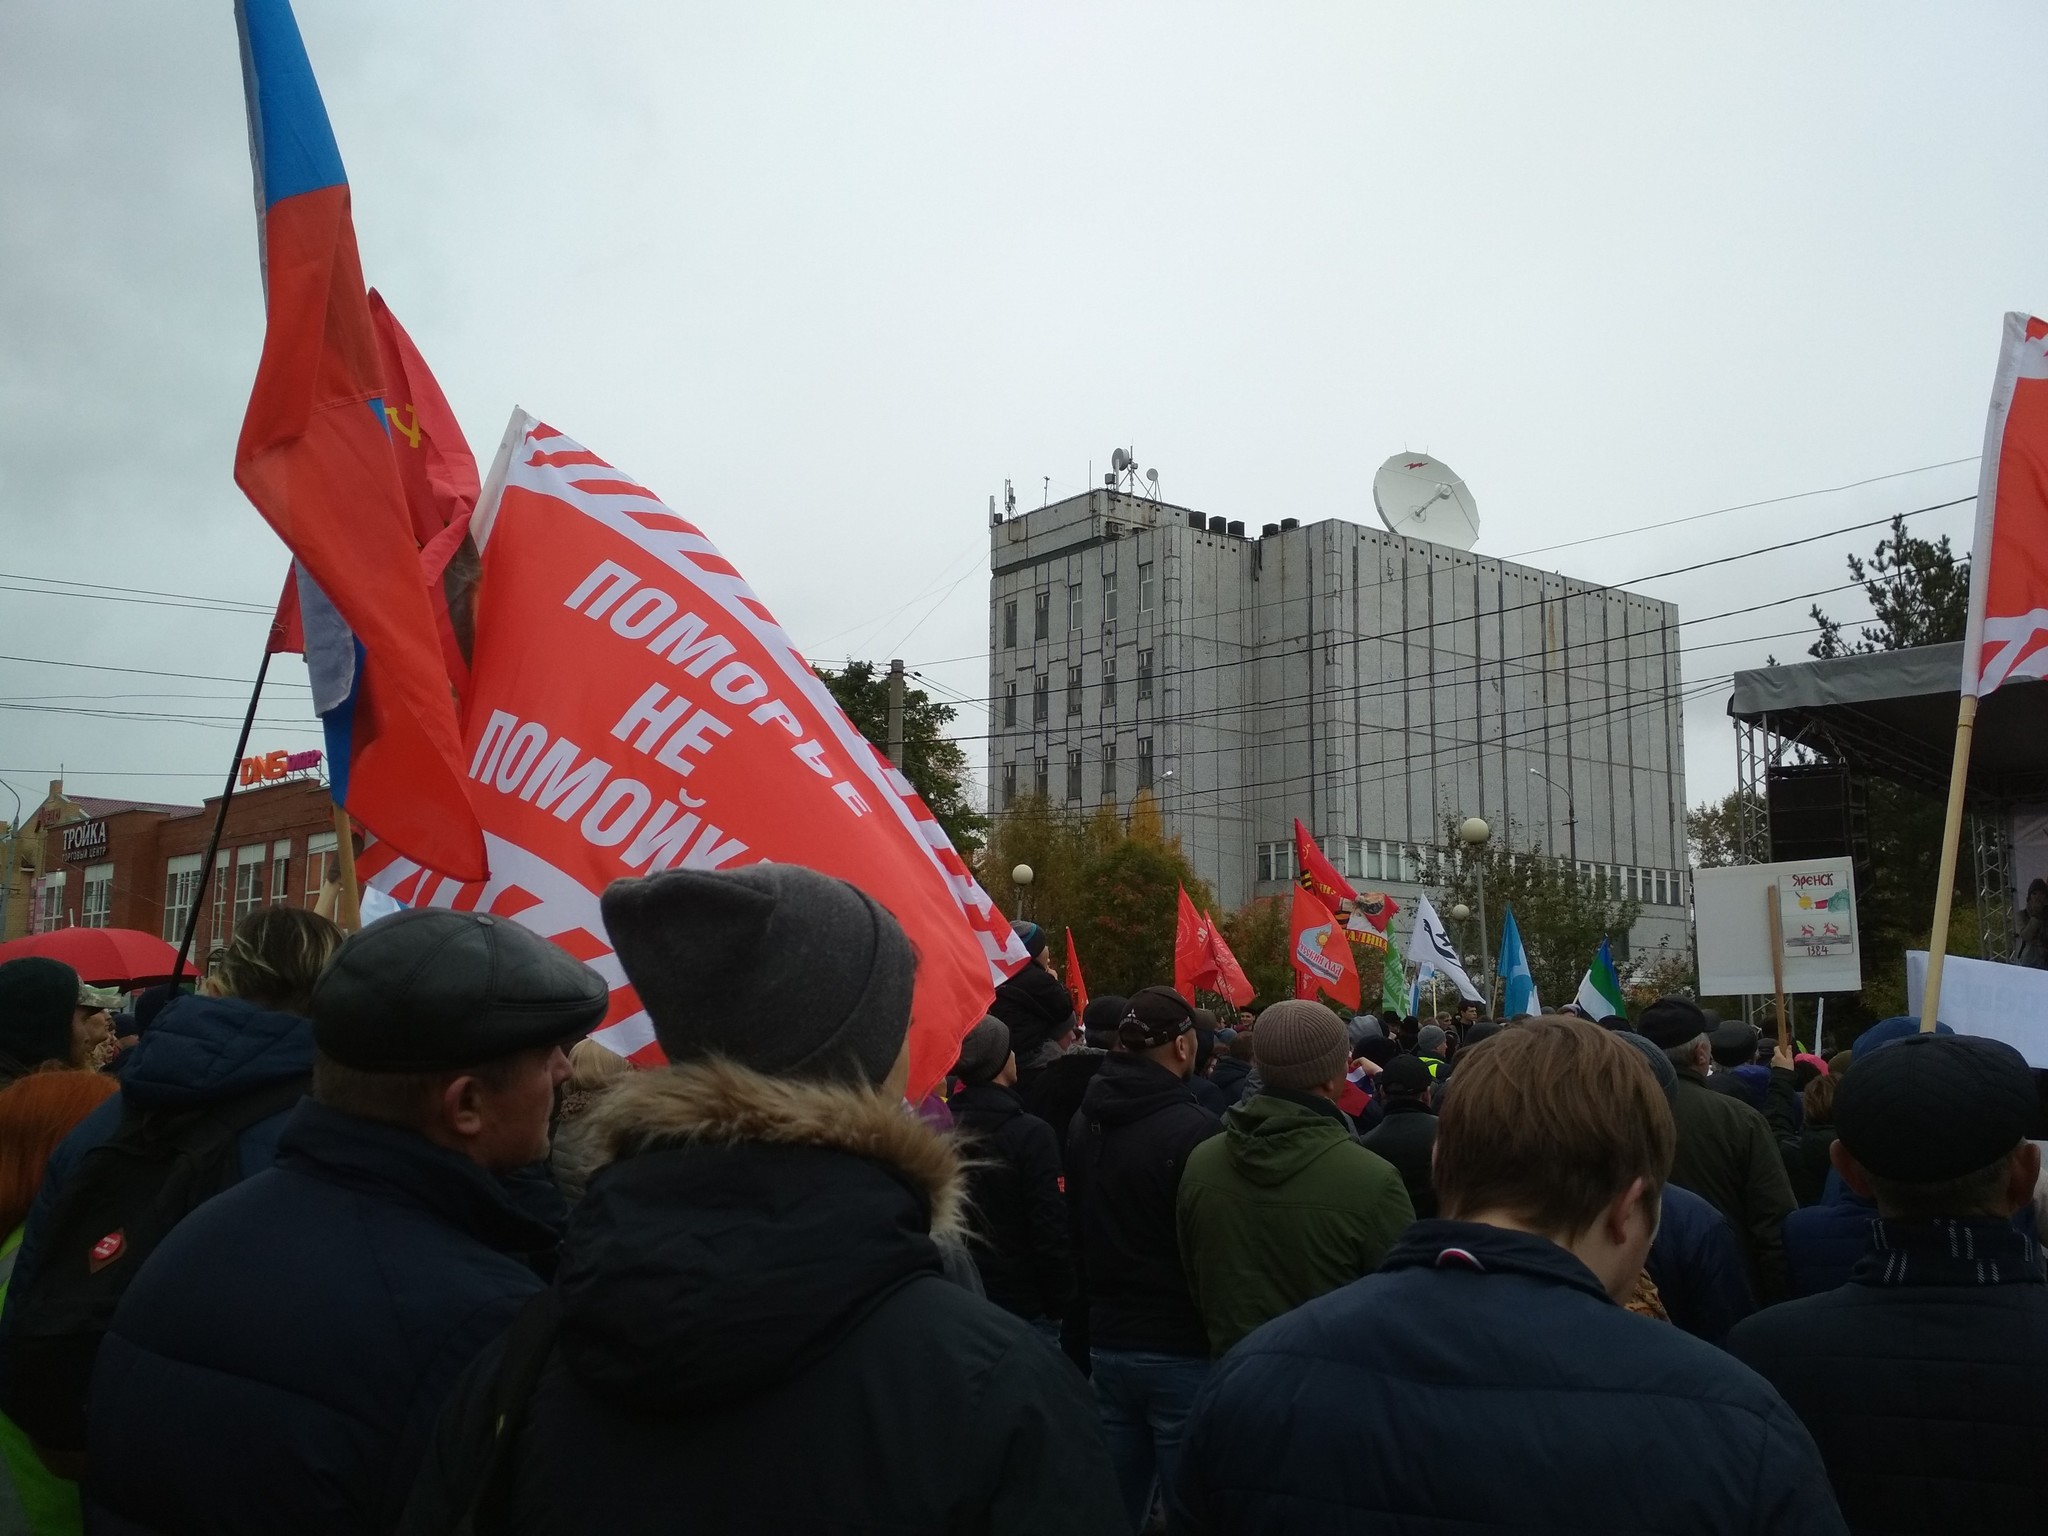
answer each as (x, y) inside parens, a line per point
(825, 275)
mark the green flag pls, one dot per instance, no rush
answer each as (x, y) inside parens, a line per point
(1393, 983)
(1600, 993)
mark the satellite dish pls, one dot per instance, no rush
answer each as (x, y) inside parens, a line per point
(1119, 461)
(1421, 498)
(1153, 476)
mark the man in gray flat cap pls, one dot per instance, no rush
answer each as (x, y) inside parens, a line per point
(278, 1363)
(1924, 1380)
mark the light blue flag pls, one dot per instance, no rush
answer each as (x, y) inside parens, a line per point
(1519, 996)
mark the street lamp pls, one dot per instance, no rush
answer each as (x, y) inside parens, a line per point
(1021, 877)
(1571, 816)
(1475, 832)
(1461, 912)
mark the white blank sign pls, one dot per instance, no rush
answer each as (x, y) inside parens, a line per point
(1735, 935)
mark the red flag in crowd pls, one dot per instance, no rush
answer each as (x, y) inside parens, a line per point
(1077, 987)
(314, 457)
(634, 707)
(2007, 635)
(1320, 954)
(1376, 908)
(1202, 959)
(1318, 875)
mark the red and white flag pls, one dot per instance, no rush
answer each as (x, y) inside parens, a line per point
(1202, 959)
(632, 707)
(2008, 629)
(1077, 988)
(1321, 956)
(1319, 876)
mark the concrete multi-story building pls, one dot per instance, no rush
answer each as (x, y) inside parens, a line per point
(1370, 684)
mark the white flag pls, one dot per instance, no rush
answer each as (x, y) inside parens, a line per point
(1430, 946)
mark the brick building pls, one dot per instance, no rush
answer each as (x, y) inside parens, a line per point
(100, 863)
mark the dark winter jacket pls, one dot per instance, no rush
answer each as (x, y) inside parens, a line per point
(278, 1363)
(1924, 1379)
(1727, 1155)
(1284, 1206)
(199, 1051)
(1482, 1380)
(1698, 1269)
(754, 1336)
(1229, 1077)
(1136, 1126)
(1208, 1095)
(1053, 1092)
(1035, 1006)
(1824, 1242)
(1017, 1205)
(1406, 1138)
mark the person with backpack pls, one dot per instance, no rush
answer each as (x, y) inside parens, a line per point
(278, 1363)
(751, 1329)
(204, 1096)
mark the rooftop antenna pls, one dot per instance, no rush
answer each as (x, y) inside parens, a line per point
(1123, 474)
(1152, 478)
(1009, 498)
(1420, 497)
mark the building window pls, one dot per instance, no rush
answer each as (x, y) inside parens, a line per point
(1041, 778)
(1009, 784)
(181, 887)
(1276, 862)
(1009, 704)
(1074, 606)
(280, 873)
(1411, 862)
(1144, 762)
(1144, 675)
(1010, 622)
(1041, 616)
(99, 896)
(1338, 851)
(1109, 684)
(320, 849)
(1073, 690)
(222, 930)
(1146, 592)
(48, 913)
(1108, 598)
(1040, 704)
(1074, 774)
(1109, 770)
(249, 881)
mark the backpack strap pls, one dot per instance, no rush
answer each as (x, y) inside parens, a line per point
(527, 1347)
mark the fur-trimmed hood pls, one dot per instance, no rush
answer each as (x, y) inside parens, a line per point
(742, 1224)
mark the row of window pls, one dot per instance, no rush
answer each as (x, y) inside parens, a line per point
(1041, 605)
(1111, 784)
(1365, 858)
(1041, 690)
(244, 881)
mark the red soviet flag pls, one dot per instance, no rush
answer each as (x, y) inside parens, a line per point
(1202, 959)
(1318, 875)
(1321, 956)
(1076, 987)
(2007, 636)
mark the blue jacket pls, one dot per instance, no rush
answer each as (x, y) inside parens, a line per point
(1823, 1242)
(279, 1362)
(1697, 1265)
(1482, 1380)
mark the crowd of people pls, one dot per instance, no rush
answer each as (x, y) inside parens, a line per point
(366, 1236)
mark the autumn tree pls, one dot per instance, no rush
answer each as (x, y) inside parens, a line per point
(932, 760)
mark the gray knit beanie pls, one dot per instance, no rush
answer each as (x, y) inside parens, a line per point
(776, 967)
(1659, 1063)
(1429, 1040)
(1300, 1045)
(984, 1052)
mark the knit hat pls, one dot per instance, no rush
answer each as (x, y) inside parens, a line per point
(1890, 1032)
(1935, 1107)
(1099, 1020)
(1671, 1022)
(1300, 1045)
(1405, 1074)
(1660, 1064)
(1157, 1016)
(1484, 1030)
(1429, 1040)
(1031, 936)
(984, 1052)
(774, 966)
(1380, 1050)
(37, 997)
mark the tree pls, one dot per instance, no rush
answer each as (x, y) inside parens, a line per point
(932, 760)
(1713, 830)
(1919, 594)
(1257, 934)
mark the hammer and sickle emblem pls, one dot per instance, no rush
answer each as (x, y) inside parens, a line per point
(410, 433)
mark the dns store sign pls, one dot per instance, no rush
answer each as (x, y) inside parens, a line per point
(272, 766)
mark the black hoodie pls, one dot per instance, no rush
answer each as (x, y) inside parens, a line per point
(755, 1336)
(1136, 1126)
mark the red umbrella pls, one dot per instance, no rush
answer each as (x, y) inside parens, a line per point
(103, 957)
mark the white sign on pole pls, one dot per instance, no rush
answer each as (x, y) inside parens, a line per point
(1817, 902)
(1982, 997)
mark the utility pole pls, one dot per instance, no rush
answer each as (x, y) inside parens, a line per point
(13, 859)
(896, 713)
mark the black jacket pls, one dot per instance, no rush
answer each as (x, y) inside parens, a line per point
(1727, 1155)
(278, 1363)
(1036, 1007)
(1825, 1242)
(1017, 1205)
(1405, 1138)
(755, 1336)
(1054, 1091)
(1482, 1380)
(1229, 1077)
(1697, 1266)
(1929, 1398)
(1136, 1127)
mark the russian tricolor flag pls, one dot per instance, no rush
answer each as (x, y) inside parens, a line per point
(315, 458)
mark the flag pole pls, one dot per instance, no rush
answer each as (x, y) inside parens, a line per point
(220, 822)
(350, 916)
(1776, 919)
(1945, 877)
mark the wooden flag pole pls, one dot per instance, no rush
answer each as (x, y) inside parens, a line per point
(1777, 922)
(1945, 877)
(350, 917)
